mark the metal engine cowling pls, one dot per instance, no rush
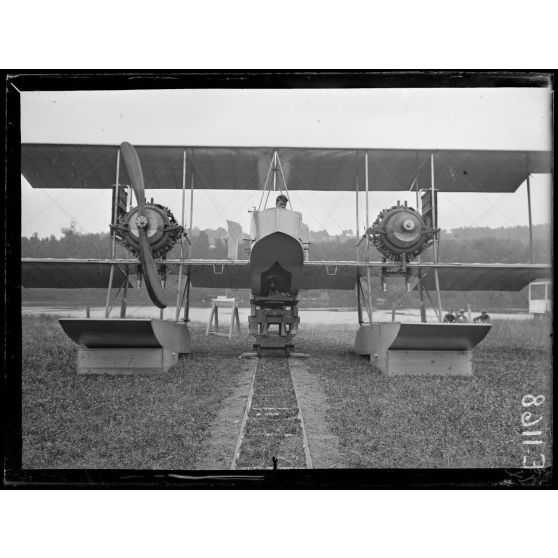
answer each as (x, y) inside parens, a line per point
(400, 233)
(162, 229)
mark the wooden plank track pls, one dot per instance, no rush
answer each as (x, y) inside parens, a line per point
(272, 434)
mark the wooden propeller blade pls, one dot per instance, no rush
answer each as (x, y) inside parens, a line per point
(133, 166)
(150, 273)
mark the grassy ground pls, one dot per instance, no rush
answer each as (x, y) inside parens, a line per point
(74, 421)
(146, 422)
(437, 422)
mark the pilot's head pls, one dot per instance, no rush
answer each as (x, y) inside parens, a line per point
(461, 311)
(281, 201)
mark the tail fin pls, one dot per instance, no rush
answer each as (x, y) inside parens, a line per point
(306, 241)
(234, 240)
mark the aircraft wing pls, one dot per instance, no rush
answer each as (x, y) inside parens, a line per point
(305, 168)
(331, 275)
(317, 275)
(451, 277)
(95, 273)
(72, 273)
(482, 277)
(226, 274)
(216, 274)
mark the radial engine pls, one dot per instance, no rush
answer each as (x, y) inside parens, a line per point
(401, 233)
(162, 229)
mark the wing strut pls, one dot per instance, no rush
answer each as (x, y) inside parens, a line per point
(369, 305)
(532, 251)
(360, 297)
(436, 236)
(179, 286)
(108, 307)
(415, 185)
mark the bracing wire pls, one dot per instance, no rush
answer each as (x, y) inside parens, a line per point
(265, 183)
(285, 183)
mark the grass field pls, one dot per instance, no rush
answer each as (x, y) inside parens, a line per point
(74, 421)
(433, 421)
(103, 422)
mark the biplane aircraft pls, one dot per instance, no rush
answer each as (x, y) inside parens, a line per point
(275, 265)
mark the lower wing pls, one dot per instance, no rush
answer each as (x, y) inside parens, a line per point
(226, 274)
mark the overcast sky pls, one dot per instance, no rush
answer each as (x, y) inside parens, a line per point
(515, 119)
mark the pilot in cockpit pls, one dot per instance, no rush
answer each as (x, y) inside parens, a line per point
(281, 201)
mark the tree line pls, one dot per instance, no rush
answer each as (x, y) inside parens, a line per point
(482, 244)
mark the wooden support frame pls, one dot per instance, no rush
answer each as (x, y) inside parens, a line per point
(214, 317)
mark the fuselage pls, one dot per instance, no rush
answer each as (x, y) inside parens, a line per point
(277, 252)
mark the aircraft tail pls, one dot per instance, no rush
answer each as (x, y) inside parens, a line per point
(235, 239)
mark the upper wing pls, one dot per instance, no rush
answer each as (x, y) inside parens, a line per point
(245, 168)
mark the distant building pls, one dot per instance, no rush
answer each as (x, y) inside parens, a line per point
(540, 297)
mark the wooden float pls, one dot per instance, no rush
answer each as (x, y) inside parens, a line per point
(421, 348)
(127, 346)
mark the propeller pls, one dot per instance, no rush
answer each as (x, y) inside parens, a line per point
(152, 282)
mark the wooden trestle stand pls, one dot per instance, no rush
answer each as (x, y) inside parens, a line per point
(214, 316)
